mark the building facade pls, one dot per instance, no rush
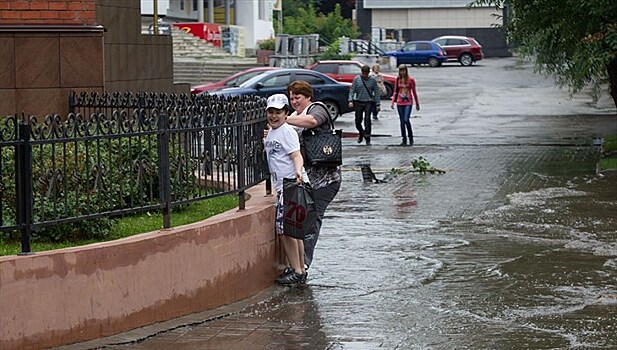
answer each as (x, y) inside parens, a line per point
(49, 48)
(404, 20)
(253, 16)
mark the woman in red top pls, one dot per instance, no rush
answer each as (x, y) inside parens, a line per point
(404, 96)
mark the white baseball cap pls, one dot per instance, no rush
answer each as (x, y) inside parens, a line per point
(277, 101)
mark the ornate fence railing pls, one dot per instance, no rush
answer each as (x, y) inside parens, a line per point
(123, 153)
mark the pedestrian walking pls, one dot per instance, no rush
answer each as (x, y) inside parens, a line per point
(282, 146)
(326, 181)
(363, 96)
(404, 95)
(376, 73)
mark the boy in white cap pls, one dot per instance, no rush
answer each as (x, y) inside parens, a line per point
(282, 147)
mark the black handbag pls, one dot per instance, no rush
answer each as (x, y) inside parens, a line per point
(323, 147)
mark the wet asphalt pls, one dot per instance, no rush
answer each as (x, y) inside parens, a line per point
(513, 247)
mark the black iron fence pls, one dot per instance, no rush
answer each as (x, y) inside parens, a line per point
(122, 153)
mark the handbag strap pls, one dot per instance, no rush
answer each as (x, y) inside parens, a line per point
(318, 103)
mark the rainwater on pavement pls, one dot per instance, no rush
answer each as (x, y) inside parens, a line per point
(513, 247)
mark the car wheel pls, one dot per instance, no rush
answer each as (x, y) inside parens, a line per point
(433, 62)
(389, 90)
(332, 108)
(466, 59)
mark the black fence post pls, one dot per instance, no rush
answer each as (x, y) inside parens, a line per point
(24, 193)
(72, 102)
(163, 150)
(241, 162)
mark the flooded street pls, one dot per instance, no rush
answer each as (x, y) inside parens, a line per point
(516, 254)
(514, 247)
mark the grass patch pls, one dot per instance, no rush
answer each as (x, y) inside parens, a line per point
(610, 143)
(135, 224)
(608, 163)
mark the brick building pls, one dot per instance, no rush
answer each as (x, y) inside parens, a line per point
(50, 47)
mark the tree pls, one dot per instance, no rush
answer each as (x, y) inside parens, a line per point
(327, 6)
(329, 27)
(576, 40)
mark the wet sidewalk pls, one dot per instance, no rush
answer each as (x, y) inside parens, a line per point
(513, 247)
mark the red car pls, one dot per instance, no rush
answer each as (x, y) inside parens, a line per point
(232, 81)
(464, 49)
(345, 71)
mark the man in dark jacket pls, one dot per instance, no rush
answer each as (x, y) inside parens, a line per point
(363, 95)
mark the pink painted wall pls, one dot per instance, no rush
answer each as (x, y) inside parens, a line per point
(76, 294)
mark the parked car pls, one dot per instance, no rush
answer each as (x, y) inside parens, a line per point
(231, 81)
(464, 49)
(419, 52)
(345, 71)
(325, 89)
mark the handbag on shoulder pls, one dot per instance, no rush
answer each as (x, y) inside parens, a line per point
(323, 147)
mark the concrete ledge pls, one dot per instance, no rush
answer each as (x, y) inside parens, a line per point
(76, 294)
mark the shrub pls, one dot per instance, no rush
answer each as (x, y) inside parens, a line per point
(267, 44)
(333, 52)
(75, 178)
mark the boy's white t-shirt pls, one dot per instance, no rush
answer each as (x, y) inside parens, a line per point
(279, 143)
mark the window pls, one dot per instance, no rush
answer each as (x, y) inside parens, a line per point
(409, 47)
(326, 68)
(278, 80)
(194, 5)
(456, 42)
(263, 8)
(423, 47)
(350, 69)
(441, 42)
(181, 4)
(309, 78)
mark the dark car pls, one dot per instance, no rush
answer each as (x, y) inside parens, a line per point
(325, 89)
(464, 49)
(231, 81)
(419, 52)
(345, 71)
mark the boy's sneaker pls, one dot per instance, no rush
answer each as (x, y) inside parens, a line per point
(304, 277)
(292, 278)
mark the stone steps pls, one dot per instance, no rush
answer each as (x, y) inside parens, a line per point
(204, 71)
(196, 61)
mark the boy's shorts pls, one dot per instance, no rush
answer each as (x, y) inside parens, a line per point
(280, 212)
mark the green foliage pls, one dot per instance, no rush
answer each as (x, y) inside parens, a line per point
(420, 164)
(305, 20)
(610, 143)
(267, 44)
(75, 179)
(333, 52)
(608, 163)
(576, 40)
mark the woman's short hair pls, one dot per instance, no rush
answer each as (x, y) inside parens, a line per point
(301, 87)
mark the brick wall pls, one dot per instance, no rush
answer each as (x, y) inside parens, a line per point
(56, 12)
